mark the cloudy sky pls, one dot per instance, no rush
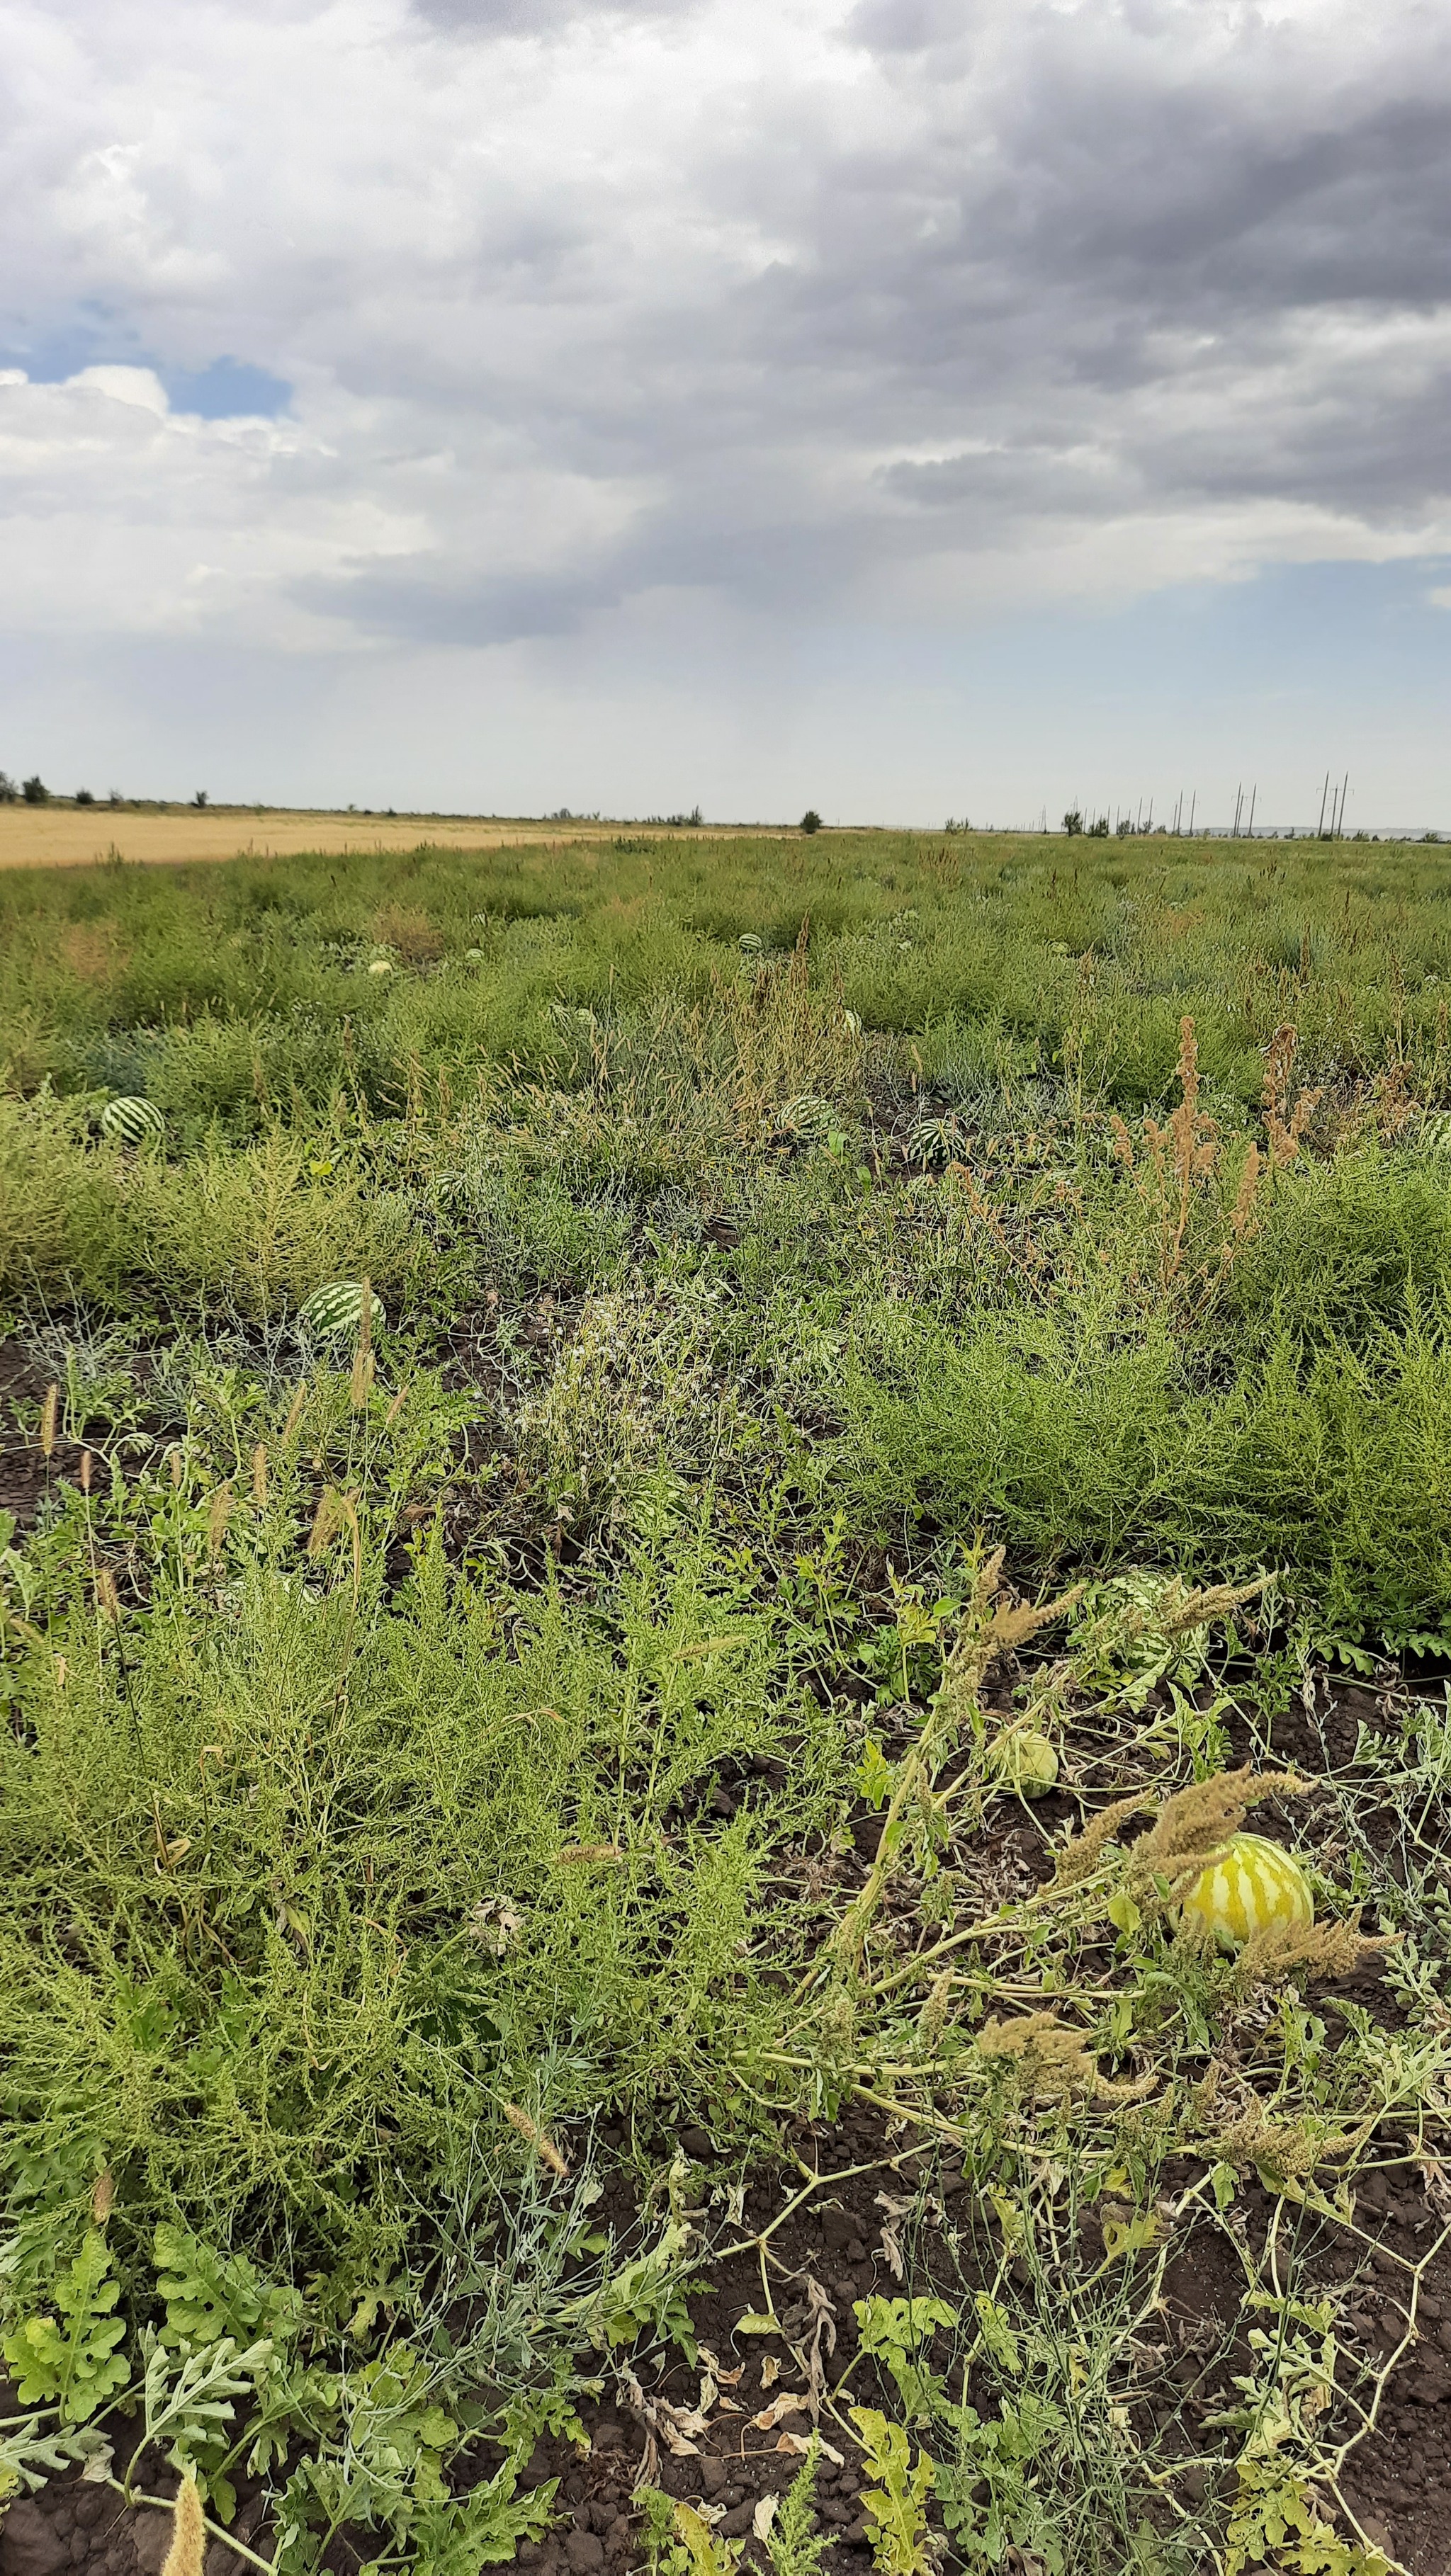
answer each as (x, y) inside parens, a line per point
(909, 407)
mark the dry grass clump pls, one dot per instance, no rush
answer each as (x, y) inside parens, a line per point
(407, 930)
(778, 1036)
(94, 951)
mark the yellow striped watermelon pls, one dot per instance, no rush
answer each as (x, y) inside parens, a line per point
(1257, 1887)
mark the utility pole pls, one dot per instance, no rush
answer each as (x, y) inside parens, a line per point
(1193, 801)
(1324, 792)
(1254, 791)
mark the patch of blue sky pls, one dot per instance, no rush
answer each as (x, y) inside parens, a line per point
(227, 388)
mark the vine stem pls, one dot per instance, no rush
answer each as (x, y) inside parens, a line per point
(818, 2182)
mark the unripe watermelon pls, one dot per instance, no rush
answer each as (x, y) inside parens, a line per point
(337, 1309)
(1024, 1760)
(132, 1122)
(1257, 1887)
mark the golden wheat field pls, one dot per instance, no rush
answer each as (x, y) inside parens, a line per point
(67, 836)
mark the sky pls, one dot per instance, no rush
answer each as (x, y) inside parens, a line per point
(909, 408)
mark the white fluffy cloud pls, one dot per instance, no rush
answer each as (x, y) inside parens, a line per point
(887, 310)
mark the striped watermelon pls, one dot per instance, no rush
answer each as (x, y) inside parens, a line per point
(337, 1309)
(130, 1121)
(1257, 1887)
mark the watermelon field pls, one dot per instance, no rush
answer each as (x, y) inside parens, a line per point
(725, 1610)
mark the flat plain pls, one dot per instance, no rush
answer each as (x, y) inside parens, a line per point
(663, 1503)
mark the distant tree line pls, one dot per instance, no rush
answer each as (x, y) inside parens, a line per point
(34, 791)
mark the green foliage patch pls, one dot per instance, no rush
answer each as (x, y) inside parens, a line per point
(423, 1746)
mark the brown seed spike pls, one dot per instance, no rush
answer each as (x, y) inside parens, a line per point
(327, 1520)
(187, 2553)
(1049, 2061)
(542, 2144)
(1081, 1857)
(48, 1413)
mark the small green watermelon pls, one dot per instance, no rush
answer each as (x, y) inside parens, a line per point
(132, 1122)
(337, 1309)
(1025, 1761)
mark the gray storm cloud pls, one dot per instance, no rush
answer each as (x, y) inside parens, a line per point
(903, 305)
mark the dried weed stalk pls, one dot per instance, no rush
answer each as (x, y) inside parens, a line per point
(1191, 1832)
(1285, 1121)
(1049, 2062)
(1184, 1159)
(1312, 1950)
(989, 1628)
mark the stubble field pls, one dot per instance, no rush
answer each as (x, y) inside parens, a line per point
(597, 1870)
